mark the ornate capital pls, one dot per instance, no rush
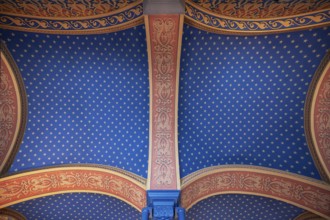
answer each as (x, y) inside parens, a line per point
(164, 205)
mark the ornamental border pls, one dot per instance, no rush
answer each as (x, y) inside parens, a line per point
(300, 191)
(195, 15)
(206, 20)
(308, 118)
(105, 180)
(121, 19)
(21, 95)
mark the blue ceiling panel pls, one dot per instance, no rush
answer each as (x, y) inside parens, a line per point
(243, 207)
(87, 99)
(242, 99)
(77, 206)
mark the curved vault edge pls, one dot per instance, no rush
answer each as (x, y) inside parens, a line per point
(115, 182)
(308, 216)
(117, 20)
(13, 109)
(317, 118)
(132, 15)
(11, 214)
(207, 20)
(306, 193)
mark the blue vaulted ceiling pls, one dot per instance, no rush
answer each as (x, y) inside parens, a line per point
(243, 207)
(242, 99)
(77, 206)
(87, 99)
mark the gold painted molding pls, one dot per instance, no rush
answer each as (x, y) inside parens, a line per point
(309, 119)
(115, 182)
(10, 214)
(308, 216)
(301, 191)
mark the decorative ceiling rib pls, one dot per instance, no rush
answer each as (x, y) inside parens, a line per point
(50, 181)
(317, 117)
(255, 9)
(232, 17)
(71, 18)
(297, 190)
(13, 109)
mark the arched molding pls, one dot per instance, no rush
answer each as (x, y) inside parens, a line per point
(308, 216)
(10, 214)
(13, 109)
(297, 190)
(317, 118)
(115, 182)
(116, 20)
(210, 21)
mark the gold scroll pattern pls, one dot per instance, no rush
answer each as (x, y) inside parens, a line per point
(298, 192)
(256, 9)
(16, 189)
(207, 20)
(62, 9)
(95, 23)
(8, 113)
(164, 82)
(322, 120)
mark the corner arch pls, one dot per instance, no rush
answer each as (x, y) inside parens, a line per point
(317, 118)
(306, 193)
(115, 182)
(13, 109)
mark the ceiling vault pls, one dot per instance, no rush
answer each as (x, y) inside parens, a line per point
(163, 194)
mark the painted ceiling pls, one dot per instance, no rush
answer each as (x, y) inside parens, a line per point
(253, 79)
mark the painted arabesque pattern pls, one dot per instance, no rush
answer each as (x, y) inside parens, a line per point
(262, 8)
(34, 184)
(8, 111)
(297, 190)
(62, 9)
(164, 32)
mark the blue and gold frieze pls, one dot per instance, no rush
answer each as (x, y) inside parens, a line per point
(114, 21)
(204, 19)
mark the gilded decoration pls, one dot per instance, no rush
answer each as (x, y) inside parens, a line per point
(120, 19)
(294, 189)
(218, 23)
(9, 214)
(163, 45)
(49, 181)
(256, 9)
(13, 109)
(62, 9)
(317, 118)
